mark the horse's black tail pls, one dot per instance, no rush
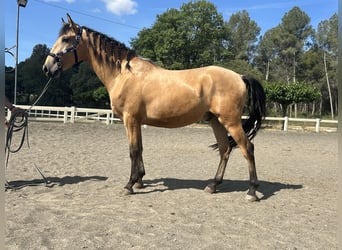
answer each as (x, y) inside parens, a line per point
(257, 108)
(256, 100)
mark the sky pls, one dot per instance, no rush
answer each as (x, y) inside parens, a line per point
(40, 21)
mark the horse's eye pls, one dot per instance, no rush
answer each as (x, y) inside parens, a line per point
(65, 39)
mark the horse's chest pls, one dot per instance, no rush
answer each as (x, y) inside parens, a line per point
(125, 101)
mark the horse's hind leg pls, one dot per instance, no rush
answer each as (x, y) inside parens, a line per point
(247, 149)
(224, 149)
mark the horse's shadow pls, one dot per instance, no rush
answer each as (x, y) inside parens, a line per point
(53, 181)
(268, 189)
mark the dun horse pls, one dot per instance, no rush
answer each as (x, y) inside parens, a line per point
(144, 93)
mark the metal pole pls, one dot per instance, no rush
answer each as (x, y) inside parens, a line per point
(16, 59)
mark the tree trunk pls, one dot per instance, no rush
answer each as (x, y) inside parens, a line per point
(313, 108)
(267, 70)
(284, 111)
(294, 67)
(329, 90)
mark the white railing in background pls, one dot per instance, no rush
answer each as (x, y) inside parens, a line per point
(74, 114)
(69, 114)
(318, 122)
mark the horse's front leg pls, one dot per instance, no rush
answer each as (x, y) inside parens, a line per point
(133, 130)
(141, 168)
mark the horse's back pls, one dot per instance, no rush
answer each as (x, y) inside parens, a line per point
(219, 82)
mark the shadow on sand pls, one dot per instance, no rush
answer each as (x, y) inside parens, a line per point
(268, 189)
(52, 181)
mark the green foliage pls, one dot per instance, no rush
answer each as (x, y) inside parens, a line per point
(101, 95)
(242, 36)
(185, 38)
(310, 66)
(88, 91)
(283, 45)
(291, 93)
(327, 34)
(286, 94)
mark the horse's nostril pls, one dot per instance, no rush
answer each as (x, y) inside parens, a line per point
(45, 69)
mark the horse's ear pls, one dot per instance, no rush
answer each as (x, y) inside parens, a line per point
(63, 22)
(71, 22)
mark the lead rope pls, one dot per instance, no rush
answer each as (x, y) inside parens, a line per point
(19, 122)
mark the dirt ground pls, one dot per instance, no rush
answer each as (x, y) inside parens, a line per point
(88, 165)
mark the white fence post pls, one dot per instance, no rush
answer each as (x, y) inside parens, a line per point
(72, 115)
(107, 118)
(317, 125)
(286, 123)
(65, 118)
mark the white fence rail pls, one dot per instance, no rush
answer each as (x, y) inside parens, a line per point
(316, 122)
(74, 114)
(69, 114)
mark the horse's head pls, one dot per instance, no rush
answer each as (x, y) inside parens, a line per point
(67, 50)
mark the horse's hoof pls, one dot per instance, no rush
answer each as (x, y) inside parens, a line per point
(209, 190)
(139, 185)
(127, 191)
(252, 198)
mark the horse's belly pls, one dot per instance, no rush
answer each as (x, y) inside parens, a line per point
(175, 113)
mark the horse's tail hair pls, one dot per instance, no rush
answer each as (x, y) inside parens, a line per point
(256, 100)
(257, 106)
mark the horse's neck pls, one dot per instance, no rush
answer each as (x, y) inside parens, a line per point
(105, 71)
(107, 57)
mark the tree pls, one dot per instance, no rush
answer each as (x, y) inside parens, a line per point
(186, 38)
(9, 83)
(266, 52)
(242, 36)
(310, 71)
(31, 79)
(294, 32)
(287, 94)
(328, 41)
(284, 44)
(87, 89)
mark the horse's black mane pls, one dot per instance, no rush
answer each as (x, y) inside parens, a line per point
(115, 51)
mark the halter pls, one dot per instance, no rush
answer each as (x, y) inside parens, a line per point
(73, 48)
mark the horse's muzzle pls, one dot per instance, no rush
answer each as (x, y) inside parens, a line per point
(53, 72)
